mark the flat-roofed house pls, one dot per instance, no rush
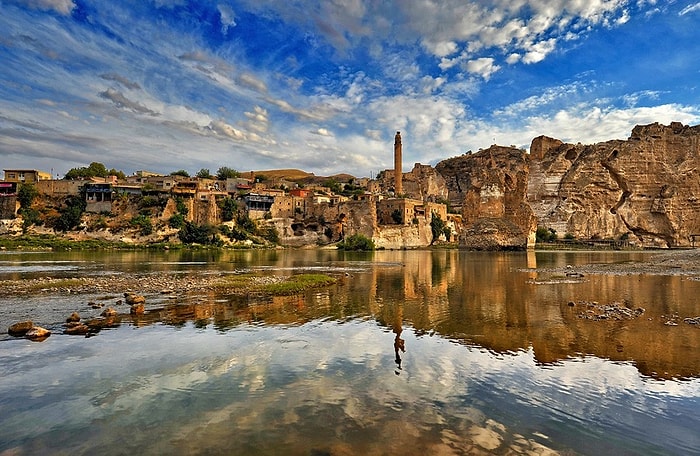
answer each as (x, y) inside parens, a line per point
(25, 175)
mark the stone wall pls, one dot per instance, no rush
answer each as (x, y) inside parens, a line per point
(8, 206)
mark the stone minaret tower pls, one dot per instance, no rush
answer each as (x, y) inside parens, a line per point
(398, 173)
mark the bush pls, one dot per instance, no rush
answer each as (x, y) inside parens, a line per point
(29, 217)
(71, 213)
(26, 195)
(181, 206)
(176, 221)
(357, 242)
(149, 201)
(545, 234)
(191, 233)
(271, 234)
(235, 233)
(144, 223)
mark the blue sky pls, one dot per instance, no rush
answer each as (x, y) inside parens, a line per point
(323, 86)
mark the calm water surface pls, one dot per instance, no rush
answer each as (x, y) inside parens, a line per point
(495, 360)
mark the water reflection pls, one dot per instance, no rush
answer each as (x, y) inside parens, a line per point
(411, 352)
(499, 301)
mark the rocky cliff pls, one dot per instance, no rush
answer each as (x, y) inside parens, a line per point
(490, 187)
(646, 188)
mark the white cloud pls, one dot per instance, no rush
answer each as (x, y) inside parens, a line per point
(321, 132)
(483, 66)
(690, 9)
(538, 51)
(589, 124)
(513, 58)
(222, 128)
(430, 84)
(228, 17)
(64, 7)
(253, 82)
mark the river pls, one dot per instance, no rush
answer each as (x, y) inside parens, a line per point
(411, 352)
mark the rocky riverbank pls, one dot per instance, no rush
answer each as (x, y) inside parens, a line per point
(672, 262)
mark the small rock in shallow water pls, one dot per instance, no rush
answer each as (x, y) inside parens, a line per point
(20, 329)
(79, 329)
(37, 333)
(109, 312)
(134, 299)
(73, 317)
(137, 308)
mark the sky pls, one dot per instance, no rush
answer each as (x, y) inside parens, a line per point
(323, 85)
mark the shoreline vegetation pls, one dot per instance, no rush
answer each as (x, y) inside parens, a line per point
(48, 242)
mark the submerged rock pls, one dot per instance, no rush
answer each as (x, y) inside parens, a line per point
(79, 329)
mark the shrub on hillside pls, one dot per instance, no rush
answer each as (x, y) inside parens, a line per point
(357, 242)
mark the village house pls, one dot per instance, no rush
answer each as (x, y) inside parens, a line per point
(258, 205)
(25, 175)
(98, 197)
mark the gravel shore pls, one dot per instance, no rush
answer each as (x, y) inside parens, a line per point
(122, 283)
(672, 262)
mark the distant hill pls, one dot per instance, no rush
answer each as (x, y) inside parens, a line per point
(297, 175)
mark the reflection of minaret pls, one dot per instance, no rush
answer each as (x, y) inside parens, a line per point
(398, 173)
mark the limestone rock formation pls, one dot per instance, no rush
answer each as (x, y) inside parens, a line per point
(424, 183)
(490, 188)
(646, 188)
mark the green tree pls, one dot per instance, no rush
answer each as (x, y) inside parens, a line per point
(229, 208)
(204, 174)
(334, 186)
(119, 174)
(437, 226)
(95, 169)
(71, 213)
(26, 195)
(225, 172)
(180, 172)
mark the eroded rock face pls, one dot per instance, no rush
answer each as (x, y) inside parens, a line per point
(646, 188)
(490, 187)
